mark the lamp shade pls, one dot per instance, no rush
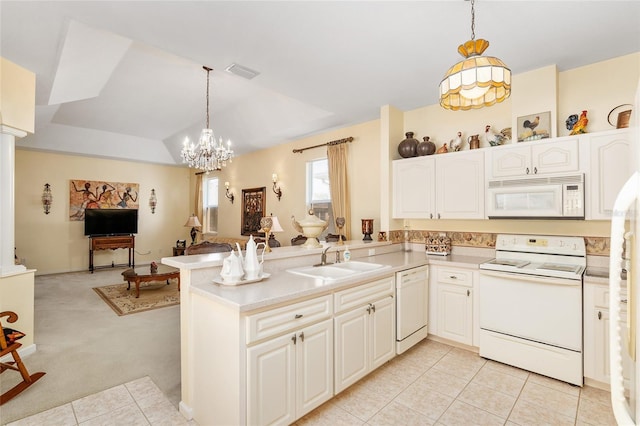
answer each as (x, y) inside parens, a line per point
(475, 82)
(276, 225)
(193, 222)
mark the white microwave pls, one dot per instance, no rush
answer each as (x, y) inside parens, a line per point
(551, 197)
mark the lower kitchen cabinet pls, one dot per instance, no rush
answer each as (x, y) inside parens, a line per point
(290, 375)
(451, 310)
(365, 334)
(596, 335)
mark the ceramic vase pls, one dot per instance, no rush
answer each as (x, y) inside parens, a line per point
(426, 147)
(408, 147)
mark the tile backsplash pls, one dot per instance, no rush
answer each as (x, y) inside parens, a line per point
(596, 246)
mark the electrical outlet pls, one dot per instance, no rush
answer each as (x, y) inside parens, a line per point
(372, 252)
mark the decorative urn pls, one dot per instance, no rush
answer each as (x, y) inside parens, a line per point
(311, 227)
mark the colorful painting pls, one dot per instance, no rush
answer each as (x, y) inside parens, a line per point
(90, 194)
(533, 127)
(253, 208)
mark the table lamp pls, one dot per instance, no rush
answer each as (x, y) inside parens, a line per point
(193, 222)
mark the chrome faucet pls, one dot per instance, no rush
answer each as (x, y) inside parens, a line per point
(323, 258)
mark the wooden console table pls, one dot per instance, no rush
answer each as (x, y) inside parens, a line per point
(111, 243)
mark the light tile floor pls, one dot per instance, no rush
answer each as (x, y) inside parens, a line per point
(139, 402)
(436, 384)
(431, 384)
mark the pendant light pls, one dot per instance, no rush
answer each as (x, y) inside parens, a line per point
(210, 154)
(477, 81)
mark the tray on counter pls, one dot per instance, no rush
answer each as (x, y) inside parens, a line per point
(219, 280)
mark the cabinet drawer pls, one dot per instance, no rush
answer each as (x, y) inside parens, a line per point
(455, 276)
(362, 294)
(601, 296)
(280, 320)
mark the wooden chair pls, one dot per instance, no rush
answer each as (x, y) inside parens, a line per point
(9, 346)
(299, 240)
(334, 237)
(208, 247)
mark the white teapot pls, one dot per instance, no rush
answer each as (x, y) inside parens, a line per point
(232, 268)
(252, 267)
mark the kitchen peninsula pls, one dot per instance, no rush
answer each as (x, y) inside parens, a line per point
(266, 352)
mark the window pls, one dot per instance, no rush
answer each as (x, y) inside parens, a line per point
(210, 204)
(318, 192)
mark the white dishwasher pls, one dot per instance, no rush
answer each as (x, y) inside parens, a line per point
(412, 294)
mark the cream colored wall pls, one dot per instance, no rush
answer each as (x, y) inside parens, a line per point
(598, 88)
(16, 294)
(52, 243)
(17, 96)
(255, 169)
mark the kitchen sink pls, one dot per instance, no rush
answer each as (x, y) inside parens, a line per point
(337, 271)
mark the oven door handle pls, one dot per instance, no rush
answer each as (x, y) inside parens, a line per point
(532, 278)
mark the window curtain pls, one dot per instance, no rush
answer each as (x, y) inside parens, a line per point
(337, 156)
(199, 208)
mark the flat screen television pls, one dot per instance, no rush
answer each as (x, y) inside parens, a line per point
(110, 221)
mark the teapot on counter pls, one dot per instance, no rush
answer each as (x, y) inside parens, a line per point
(232, 268)
(252, 267)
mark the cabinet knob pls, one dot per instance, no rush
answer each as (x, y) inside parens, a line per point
(295, 339)
(623, 300)
(430, 215)
(599, 315)
(298, 316)
(453, 277)
(302, 336)
(527, 170)
(369, 309)
(468, 292)
(373, 308)
(438, 215)
(535, 170)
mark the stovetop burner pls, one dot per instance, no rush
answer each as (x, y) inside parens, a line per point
(509, 262)
(559, 267)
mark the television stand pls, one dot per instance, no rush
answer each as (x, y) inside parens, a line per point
(111, 242)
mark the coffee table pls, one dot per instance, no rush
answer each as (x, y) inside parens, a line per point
(144, 274)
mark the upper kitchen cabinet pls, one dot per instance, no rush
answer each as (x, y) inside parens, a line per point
(609, 169)
(444, 186)
(534, 158)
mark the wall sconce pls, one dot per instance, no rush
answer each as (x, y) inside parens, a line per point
(47, 198)
(229, 195)
(276, 188)
(153, 201)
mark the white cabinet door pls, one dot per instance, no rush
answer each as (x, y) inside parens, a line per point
(555, 157)
(382, 332)
(365, 339)
(509, 161)
(290, 375)
(351, 347)
(413, 188)
(314, 367)
(455, 309)
(609, 170)
(271, 382)
(460, 186)
(535, 158)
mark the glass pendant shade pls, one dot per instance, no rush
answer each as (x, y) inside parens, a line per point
(475, 82)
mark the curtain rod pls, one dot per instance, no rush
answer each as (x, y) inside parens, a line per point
(336, 142)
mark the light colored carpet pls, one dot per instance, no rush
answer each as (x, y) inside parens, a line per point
(153, 295)
(84, 348)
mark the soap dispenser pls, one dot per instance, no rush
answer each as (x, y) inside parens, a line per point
(346, 255)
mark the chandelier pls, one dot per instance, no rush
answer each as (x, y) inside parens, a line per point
(209, 154)
(477, 81)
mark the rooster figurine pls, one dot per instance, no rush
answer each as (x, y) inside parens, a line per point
(456, 143)
(491, 137)
(581, 124)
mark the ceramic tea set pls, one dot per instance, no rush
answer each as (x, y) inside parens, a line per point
(237, 269)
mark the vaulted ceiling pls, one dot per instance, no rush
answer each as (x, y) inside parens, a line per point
(124, 79)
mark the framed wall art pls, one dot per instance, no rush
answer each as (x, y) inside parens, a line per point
(253, 208)
(92, 194)
(533, 127)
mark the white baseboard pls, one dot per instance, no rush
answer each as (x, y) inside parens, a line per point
(24, 352)
(185, 410)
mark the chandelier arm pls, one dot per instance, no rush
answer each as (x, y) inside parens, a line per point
(473, 20)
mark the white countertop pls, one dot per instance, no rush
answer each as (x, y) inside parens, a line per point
(283, 286)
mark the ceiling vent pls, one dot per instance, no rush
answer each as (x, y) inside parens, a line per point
(241, 71)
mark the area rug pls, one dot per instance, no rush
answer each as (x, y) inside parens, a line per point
(153, 295)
